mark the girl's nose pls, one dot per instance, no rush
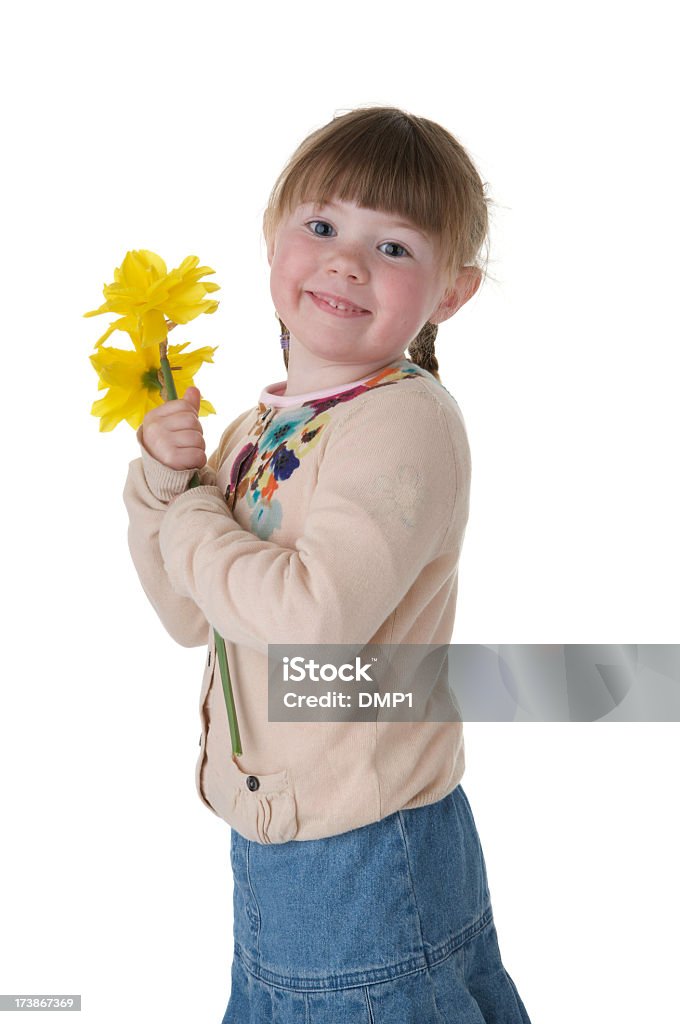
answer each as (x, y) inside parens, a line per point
(348, 261)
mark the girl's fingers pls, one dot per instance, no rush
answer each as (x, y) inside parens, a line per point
(184, 421)
(169, 426)
(172, 408)
(189, 458)
(179, 449)
(183, 458)
(188, 439)
(168, 416)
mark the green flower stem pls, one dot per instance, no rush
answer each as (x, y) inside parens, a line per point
(171, 394)
(168, 379)
(228, 695)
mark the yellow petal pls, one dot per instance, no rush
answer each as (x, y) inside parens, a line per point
(95, 312)
(182, 313)
(126, 323)
(154, 260)
(188, 294)
(134, 272)
(153, 328)
(195, 272)
(189, 363)
(110, 409)
(121, 405)
(158, 294)
(140, 268)
(145, 401)
(187, 264)
(118, 375)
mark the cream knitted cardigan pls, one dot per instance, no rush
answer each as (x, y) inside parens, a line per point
(335, 517)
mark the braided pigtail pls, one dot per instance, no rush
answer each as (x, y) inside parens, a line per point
(421, 349)
(284, 339)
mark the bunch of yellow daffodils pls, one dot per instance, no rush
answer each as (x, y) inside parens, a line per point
(152, 302)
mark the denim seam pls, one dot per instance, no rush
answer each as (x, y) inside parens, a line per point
(375, 976)
(369, 1008)
(252, 893)
(400, 819)
(329, 982)
(438, 954)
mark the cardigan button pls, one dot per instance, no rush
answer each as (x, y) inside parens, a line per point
(253, 783)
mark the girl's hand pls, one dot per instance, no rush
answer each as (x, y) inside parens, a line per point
(172, 432)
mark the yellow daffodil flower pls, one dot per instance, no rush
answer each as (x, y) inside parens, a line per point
(134, 381)
(146, 294)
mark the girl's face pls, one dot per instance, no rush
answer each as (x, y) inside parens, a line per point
(353, 285)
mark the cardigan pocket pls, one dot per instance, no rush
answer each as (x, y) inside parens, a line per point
(263, 807)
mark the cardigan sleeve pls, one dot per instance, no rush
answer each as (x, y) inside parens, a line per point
(389, 480)
(149, 487)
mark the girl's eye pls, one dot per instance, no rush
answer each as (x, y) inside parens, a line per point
(393, 246)
(318, 227)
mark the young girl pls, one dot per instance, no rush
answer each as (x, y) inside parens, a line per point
(333, 512)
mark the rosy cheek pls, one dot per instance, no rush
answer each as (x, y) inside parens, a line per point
(404, 289)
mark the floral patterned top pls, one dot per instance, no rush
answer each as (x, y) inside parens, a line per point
(283, 436)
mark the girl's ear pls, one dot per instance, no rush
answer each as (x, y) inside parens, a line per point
(463, 288)
(268, 241)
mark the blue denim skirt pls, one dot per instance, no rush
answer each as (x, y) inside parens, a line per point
(386, 924)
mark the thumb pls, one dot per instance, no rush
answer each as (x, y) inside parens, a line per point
(193, 396)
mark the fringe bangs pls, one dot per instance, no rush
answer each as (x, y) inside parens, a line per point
(385, 164)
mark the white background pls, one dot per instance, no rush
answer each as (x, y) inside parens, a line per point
(163, 126)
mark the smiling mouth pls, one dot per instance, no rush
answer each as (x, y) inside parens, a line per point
(338, 305)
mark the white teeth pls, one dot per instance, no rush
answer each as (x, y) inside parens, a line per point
(337, 305)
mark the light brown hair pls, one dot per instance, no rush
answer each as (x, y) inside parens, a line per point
(386, 159)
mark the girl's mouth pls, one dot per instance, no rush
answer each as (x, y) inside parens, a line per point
(336, 306)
